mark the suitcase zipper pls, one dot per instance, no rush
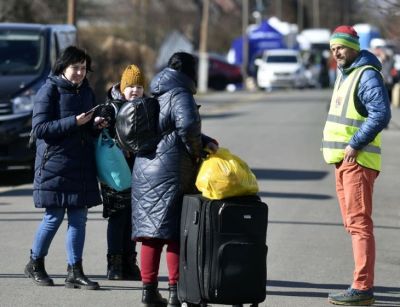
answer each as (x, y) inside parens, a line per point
(207, 246)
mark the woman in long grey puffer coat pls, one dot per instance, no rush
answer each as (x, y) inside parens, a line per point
(160, 179)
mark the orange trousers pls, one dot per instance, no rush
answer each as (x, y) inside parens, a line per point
(354, 188)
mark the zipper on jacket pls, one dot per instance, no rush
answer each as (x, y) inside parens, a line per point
(84, 185)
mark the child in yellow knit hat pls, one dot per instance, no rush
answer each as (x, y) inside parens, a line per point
(132, 83)
(121, 253)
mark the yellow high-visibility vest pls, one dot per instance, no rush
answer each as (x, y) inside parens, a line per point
(344, 121)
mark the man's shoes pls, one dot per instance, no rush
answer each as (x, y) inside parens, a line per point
(352, 297)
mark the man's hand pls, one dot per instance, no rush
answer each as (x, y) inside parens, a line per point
(350, 154)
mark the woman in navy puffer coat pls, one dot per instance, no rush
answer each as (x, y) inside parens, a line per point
(65, 170)
(160, 179)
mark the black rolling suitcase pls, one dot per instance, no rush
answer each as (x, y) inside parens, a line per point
(223, 251)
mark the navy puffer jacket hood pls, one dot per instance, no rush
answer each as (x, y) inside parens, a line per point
(169, 79)
(160, 179)
(65, 170)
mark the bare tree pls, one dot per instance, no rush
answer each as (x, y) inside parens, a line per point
(384, 14)
(38, 11)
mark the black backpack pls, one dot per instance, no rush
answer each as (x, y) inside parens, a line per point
(136, 125)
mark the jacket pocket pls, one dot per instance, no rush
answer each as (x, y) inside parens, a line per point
(46, 156)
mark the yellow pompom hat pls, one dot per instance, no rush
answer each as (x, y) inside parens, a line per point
(131, 76)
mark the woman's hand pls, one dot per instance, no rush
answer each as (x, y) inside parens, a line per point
(83, 118)
(213, 147)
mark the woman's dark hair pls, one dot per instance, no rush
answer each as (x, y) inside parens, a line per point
(71, 55)
(185, 63)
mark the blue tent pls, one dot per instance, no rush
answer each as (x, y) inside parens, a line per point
(261, 38)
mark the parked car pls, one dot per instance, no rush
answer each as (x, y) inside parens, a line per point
(221, 73)
(27, 53)
(281, 68)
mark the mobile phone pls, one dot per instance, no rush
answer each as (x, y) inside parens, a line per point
(92, 110)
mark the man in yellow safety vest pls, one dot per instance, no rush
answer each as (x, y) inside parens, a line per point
(359, 111)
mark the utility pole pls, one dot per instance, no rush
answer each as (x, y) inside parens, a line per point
(203, 58)
(278, 9)
(245, 40)
(71, 18)
(316, 13)
(346, 9)
(300, 14)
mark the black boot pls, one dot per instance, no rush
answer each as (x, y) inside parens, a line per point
(151, 297)
(131, 269)
(77, 279)
(114, 267)
(35, 270)
(173, 300)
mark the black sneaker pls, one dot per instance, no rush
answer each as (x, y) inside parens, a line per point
(352, 297)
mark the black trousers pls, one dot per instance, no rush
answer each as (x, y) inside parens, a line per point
(119, 233)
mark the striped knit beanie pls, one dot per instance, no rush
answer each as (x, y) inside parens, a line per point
(131, 76)
(346, 36)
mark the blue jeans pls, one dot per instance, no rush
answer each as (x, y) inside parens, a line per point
(76, 231)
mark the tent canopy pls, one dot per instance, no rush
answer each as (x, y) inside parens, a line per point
(261, 38)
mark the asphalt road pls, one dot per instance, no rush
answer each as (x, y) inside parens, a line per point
(278, 134)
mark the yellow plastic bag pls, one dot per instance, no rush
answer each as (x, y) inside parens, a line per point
(224, 175)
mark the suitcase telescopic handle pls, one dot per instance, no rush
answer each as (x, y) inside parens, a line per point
(185, 249)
